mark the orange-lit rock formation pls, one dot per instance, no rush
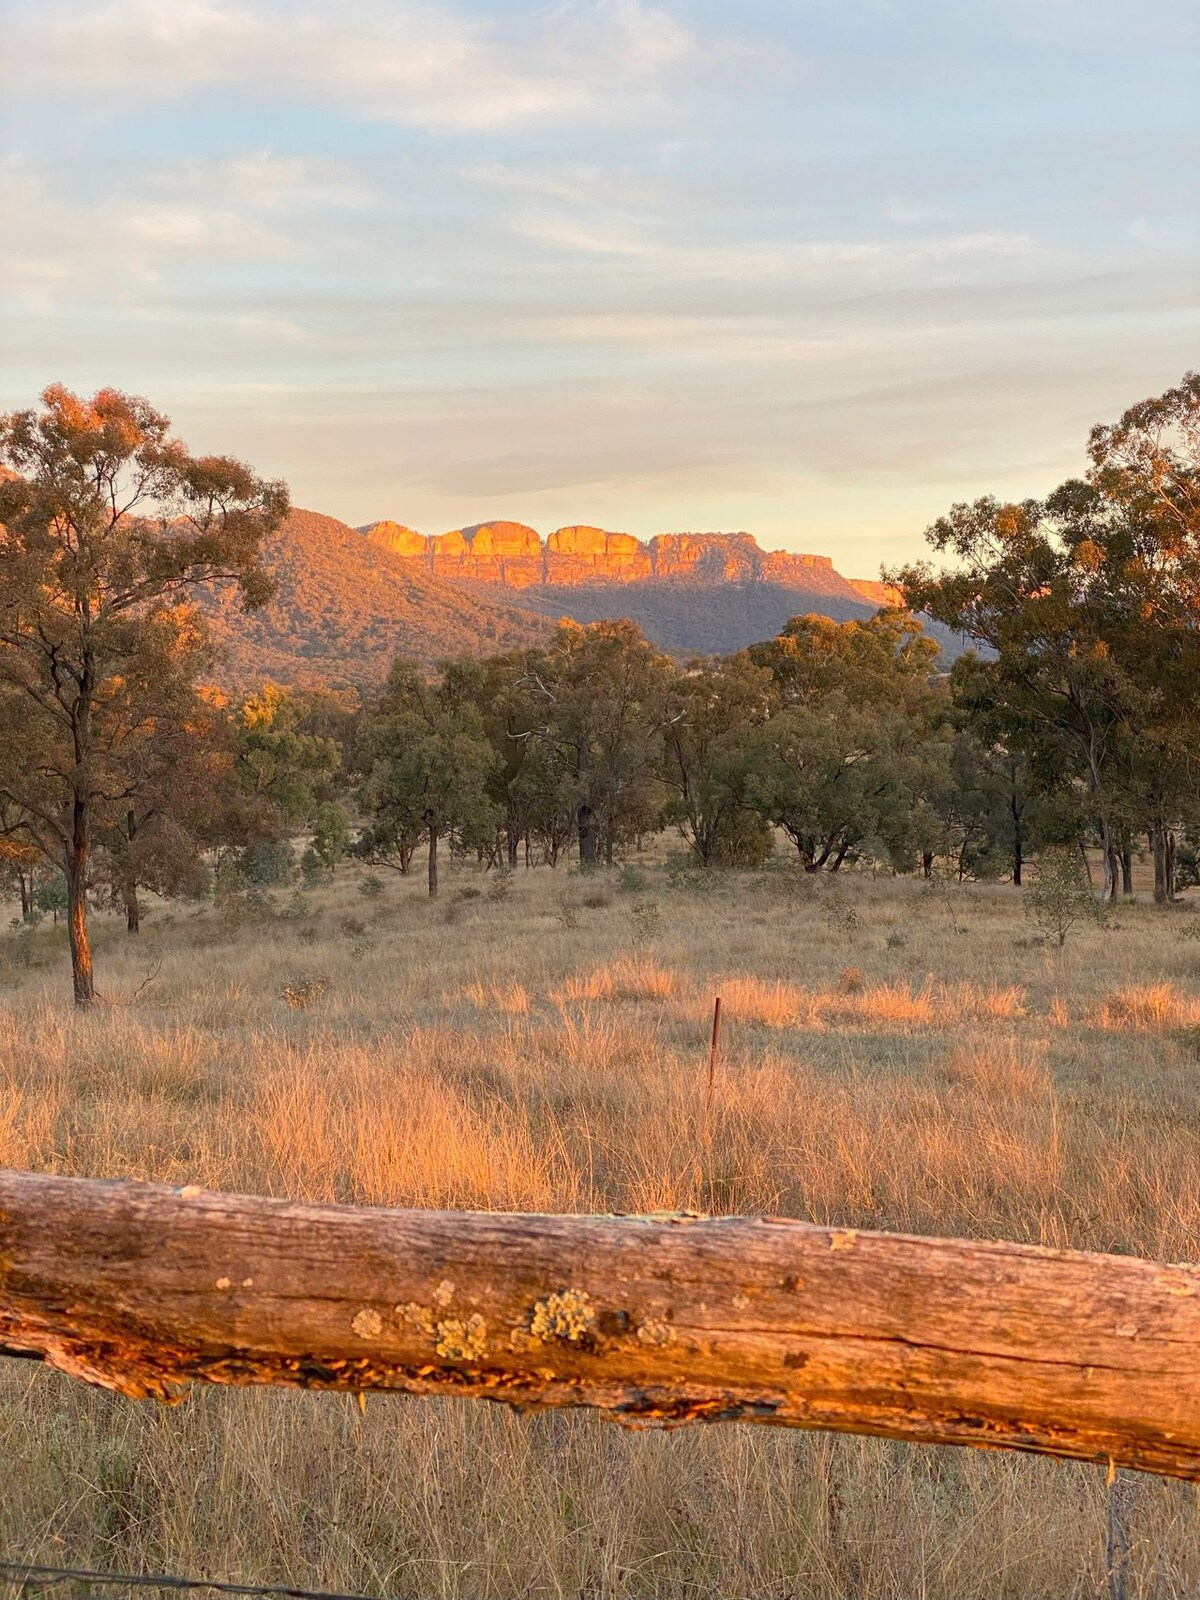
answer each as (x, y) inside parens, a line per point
(514, 555)
(879, 594)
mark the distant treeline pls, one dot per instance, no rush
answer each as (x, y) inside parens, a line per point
(1075, 725)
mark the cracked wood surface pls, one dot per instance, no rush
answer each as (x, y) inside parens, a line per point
(651, 1319)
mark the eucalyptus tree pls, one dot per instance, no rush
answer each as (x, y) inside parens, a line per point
(110, 527)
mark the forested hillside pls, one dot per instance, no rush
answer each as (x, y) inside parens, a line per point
(345, 609)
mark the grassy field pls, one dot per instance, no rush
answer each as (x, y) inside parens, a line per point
(893, 1057)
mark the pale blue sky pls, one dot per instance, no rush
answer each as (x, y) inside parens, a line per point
(814, 269)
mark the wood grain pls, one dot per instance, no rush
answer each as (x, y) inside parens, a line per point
(651, 1319)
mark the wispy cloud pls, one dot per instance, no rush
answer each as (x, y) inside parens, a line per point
(385, 60)
(808, 268)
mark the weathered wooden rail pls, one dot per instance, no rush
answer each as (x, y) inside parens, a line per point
(651, 1319)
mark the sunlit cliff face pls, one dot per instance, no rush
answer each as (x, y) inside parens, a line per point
(515, 554)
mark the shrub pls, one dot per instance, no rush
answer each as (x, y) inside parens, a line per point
(303, 992)
(269, 863)
(596, 902)
(568, 913)
(500, 886)
(1061, 895)
(371, 887)
(896, 941)
(632, 880)
(840, 916)
(744, 839)
(685, 872)
(851, 980)
(647, 921)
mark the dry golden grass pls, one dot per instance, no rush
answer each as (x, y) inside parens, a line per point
(482, 1054)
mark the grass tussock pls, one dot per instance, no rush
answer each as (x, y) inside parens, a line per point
(1152, 1006)
(980, 1087)
(625, 978)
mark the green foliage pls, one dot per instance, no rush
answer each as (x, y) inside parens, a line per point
(711, 711)
(269, 863)
(50, 895)
(1061, 895)
(111, 530)
(330, 840)
(598, 700)
(1087, 603)
(282, 771)
(742, 839)
(632, 880)
(428, 765)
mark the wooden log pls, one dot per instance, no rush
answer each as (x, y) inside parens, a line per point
(652, 1319)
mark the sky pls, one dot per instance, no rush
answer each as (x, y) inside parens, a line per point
(816, 269)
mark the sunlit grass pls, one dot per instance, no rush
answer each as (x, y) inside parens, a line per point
(484, 1054)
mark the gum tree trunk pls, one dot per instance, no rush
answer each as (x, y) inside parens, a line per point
(133, 914)
(76, 866)
(1158, 844)
(587, 836)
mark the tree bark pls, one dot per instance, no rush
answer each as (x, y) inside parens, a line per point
(25, 881)
(1171, 844)
(587, 837)
(1109, 893)
(927, 864)
(133, 916)
(433, 862)
(76, 866)
(652, 1319)
(1127, 873)
(1158, 844)
(1087, 864)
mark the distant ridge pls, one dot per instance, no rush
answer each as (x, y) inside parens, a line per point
(690, 593)
(351, 600)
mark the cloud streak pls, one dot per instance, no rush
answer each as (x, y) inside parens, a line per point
(806, 269)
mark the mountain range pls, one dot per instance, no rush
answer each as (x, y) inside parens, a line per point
(349, 599)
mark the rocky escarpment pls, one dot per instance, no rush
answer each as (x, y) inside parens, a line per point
(515, 556)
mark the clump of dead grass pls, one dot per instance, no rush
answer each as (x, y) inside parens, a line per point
(626, 977)
(1154, 1007)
